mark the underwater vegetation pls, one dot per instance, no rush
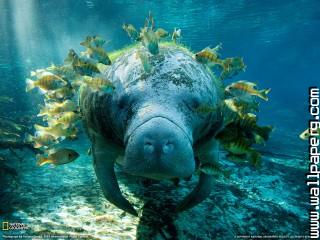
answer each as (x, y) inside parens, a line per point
(65, 89)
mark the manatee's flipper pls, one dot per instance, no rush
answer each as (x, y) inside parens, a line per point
(208, 152)
(104, 156)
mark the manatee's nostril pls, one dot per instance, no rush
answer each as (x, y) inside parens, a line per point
(148, 147)
(167, 148)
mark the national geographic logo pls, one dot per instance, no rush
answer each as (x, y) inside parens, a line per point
(5, 226)
(13, 226)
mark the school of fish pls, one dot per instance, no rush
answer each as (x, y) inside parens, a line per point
(60, 114)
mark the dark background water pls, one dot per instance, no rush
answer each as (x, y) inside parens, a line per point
(279, 41)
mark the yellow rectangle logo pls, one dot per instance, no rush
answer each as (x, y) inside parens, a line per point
(5, 226)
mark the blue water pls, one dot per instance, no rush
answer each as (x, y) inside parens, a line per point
(279, 41)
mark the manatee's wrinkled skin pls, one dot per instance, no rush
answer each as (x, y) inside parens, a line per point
(150, 125)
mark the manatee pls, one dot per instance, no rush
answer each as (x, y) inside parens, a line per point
(149, 124)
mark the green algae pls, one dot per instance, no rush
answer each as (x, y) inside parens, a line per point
(114, 55)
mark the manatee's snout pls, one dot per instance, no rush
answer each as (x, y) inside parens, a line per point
(159, 149)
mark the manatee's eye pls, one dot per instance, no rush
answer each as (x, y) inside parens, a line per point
(193, 103)
(124, 101)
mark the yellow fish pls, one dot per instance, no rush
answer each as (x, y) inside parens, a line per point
(307, 133)
(150, 40)
(213, 169)
(245, 90)
(41, 140)
(209, 55)
(258, 139)
(252, 157)
(58, 130)
(149, 22)
(249, 106)
(131, 31)
(161, 33)
(255, 158)
(237, 147)
(64, 71)
(96, 41)
(56, 108)
(58, 157)
(247, 121)
(99, 54)
(39, 73)
(147, 67)
(80, 65)
(85, 68)
(231, 67)
(66, 118)
(46, 83)
(71, 57)
(98, 83)
(233, 106)
(176, 35)
(61, 93)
